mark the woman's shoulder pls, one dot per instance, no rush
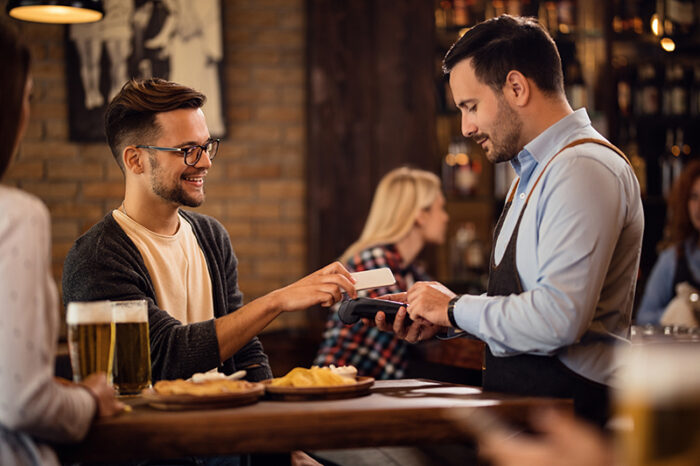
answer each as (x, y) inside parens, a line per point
(373, 257)
(17, 204)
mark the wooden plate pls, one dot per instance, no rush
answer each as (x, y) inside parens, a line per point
(224, 400)
(334, 392)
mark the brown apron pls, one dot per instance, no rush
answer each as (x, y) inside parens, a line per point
(528, 374)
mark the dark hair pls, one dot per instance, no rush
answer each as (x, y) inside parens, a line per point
(130, 117)
(500, 45)
(679, 227)
(14, 57)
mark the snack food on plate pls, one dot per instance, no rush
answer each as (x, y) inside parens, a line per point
(209, 387)
(316, 377)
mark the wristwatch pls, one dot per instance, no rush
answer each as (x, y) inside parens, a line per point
(451, 311)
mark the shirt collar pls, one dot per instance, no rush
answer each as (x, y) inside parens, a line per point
(551, 140)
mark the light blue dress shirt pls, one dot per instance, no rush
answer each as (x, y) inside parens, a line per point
(659, 291)
(577, 255)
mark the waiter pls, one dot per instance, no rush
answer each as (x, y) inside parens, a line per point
(567, 245)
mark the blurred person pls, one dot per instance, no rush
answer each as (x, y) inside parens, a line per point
(567, 246)
(407, 212)
(674, 277)
(181, 262)
(36, 409)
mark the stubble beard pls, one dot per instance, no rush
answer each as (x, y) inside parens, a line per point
(506, 144)
(174, 194)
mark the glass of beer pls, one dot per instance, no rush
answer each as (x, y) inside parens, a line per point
(132, 354)
(658, 403)
(90, 338)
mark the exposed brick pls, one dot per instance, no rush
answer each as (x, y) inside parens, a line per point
(254, 170)
(56, 129)
(256, 132)
(232, 149)
(75, 171)
(293, 210)
(294, 76)
(52, 191)
(239, 229)
(296, 135)
(103, 190)
(50, 110)
(211, 208)
(281, 189)
(255, 57)
(279, 268)
(250, 18)
(21, 170)
(98, 151)
(240, 113)
(113, 172)
(294, 96)
(59, 249)
(258, 95)
(295, 249)
(287, 113)
(76, 210)
(252, 211)
(257, 248)
(285, 230)
(237, 75)
(232, 191)
(64, 230)
(52, 150)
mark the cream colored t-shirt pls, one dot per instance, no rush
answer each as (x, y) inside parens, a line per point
(178, 269)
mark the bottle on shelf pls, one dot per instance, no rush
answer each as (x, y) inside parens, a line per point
(639, 165)
(671, 162)
(675, 94)
(575, 86)
(647, 95)
(695, 92)
(625, 85)
(679, 17)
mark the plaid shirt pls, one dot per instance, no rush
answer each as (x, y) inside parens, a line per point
(374, 353)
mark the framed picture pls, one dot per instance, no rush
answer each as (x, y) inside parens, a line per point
(178, 40)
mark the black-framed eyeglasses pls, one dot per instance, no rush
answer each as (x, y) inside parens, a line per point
(191, 154)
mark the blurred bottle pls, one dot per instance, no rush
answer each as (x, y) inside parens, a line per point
(671, 163)
(625, 84)
(680, 17)
(468, 258)
(647, 96)
(575, 86)
(695, 92)
(444, 14)
(631, 149)
(675, 94)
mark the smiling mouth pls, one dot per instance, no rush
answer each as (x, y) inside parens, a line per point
(197, 179)
(480, 140)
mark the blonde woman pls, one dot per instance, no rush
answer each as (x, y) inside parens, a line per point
(407, 213)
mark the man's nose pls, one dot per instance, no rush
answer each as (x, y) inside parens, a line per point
(469, 129)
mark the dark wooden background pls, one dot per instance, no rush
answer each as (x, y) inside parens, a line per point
(371, 108)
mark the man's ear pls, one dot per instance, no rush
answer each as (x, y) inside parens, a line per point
(517, 88)
(133, 159)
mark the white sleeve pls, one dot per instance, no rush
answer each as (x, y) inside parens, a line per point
(31, 400)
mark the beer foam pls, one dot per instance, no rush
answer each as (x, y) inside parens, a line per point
(660, 372)
(130, 311)
(88, 312)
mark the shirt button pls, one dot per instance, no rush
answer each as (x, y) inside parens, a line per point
(522, 195)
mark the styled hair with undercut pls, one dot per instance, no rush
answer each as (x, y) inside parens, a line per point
(130, 117)
(506, 43)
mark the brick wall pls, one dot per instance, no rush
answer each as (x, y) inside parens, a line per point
(256, 187)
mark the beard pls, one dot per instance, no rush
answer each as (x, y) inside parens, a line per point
(505, 141)
(175, 194)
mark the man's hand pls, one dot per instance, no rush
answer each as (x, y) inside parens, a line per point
(428, 301)
(103, 393)
(419, 330)
(324, 287)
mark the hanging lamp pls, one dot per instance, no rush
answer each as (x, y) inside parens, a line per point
(56, 11)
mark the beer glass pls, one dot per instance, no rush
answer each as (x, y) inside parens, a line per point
(90, 338)
(658, 402)
(132, 354)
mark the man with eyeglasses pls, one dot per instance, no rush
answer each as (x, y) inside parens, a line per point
(181, 262)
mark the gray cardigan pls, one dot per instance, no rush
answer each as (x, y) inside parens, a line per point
(105, 264)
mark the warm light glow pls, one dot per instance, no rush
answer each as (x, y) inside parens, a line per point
(564, 28)
(656, 25)
(463, 31)
(450, 160)
(667, 44)
(462, 159)
(55, 14)
(675, 150)
(686, 149)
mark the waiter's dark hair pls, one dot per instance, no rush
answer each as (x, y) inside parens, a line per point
(14, 59)
(500, 45)
(130, 117)
(679, 226)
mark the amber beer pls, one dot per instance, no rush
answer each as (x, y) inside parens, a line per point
(90, 338)
(659, 403)
(132, 356)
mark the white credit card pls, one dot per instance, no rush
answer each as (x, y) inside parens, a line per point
(375, 278)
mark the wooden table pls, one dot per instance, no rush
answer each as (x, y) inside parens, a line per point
(399, 412)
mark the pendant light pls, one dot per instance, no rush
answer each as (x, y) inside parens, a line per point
(56, 11)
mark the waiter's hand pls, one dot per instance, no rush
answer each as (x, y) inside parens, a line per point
(428, 301)
(419, 330)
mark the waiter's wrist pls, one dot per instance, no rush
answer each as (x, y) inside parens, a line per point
(451, 311)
